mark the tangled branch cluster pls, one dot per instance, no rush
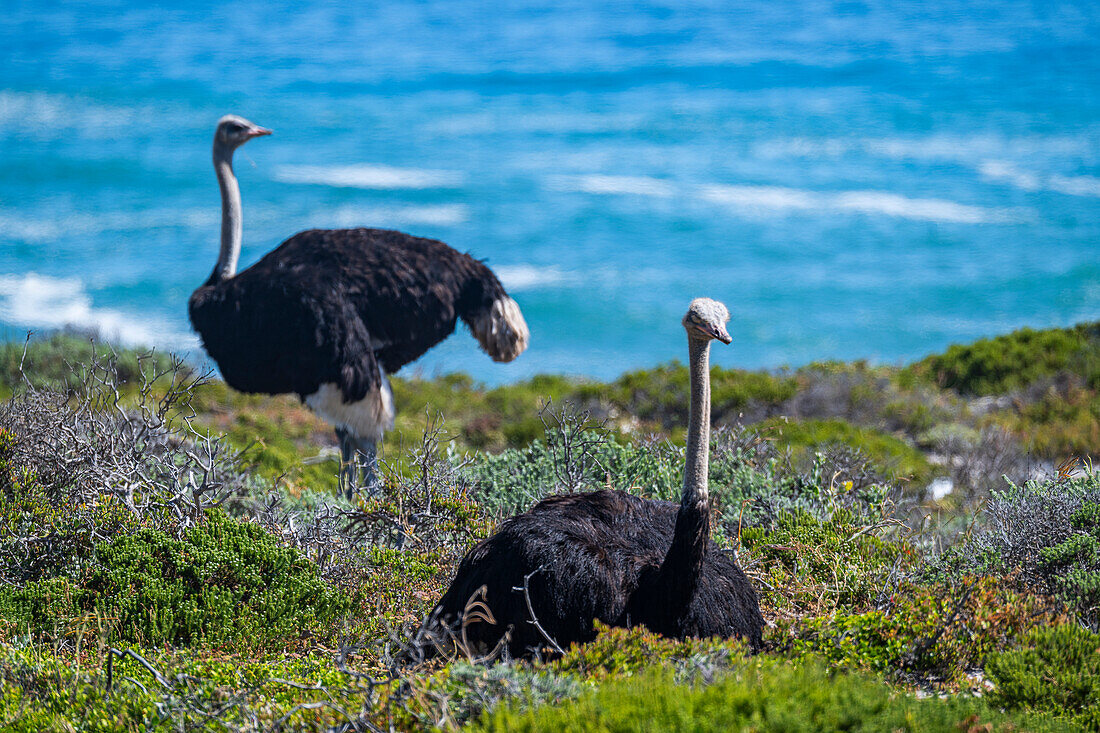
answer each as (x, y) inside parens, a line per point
(102, 454)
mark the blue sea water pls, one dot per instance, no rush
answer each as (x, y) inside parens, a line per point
(854, 179)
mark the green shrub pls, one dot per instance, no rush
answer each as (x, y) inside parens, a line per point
(42, 536)
(928, 630)
(888, 453)
(1049, 531)
(1055, 671)
(462, 691)
(661, 395)
(55, 361)
(43, 691)
(1059, 423)
(820, 565)
(1073, 566)
(618, 651)
(749, 481)
(515, 479)
(999, 365)
(761, 696)
(223, 581)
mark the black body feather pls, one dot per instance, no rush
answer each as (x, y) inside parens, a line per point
(331, 306)
(598, 556)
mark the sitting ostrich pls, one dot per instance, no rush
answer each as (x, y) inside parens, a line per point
(547, 574)
(329, 313)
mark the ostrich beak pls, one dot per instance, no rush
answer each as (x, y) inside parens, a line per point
(715, 332)
(258, 132)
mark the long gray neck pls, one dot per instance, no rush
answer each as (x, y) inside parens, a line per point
(698, 439)
(232, 221)
(683, 564)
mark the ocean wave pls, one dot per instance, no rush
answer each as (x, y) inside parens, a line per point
(636, 185)
(782, 198)
(1000, 171)
(964, 149)
(768, 197)
(64, 224)
(866, 202)
(487, 123)
(529, 277)
(1075, 185)
(443, 215)
(888, 204)
(369, 176)
(40, 301)
(42, 114)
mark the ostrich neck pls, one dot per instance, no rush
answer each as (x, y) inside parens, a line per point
(232, 221)
(683, 564)
(698, 438)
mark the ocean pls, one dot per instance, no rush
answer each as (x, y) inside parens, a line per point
(855, 180)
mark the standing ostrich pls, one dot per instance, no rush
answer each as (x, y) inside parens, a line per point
(329, 313)
(547, 574)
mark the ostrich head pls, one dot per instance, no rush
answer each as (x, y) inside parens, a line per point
(706, 319)
(234, 131)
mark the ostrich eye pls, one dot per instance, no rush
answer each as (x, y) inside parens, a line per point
(234, 127)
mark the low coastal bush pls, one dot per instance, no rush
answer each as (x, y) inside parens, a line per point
(921, 631)
(1073, 565)
(1060, 423)
(998, 365)
(42, 691)
(893, 456)
(1056, 671)
(42, 536)
(661, 395)
(751, 481)
(760, 696)
(819, 565)
(515, 479)
(59, 360)
(1048, 531)
(223, 581)
(618, 652)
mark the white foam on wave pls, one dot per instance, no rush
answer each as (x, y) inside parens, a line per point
(443, 215)
(41, 114)
(964, 149)
(768, 197)
(866, 202)
(601, 184)
(1000, 171)
(969, 148)
(40, 301)
(380, 177)
(29, 229)
(782, 198)
(1003, 172)
(889, 204)
(1076, 185)
(529, 277)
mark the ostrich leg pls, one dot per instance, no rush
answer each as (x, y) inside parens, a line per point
(367, 464)
(358, 464)
(347, 462)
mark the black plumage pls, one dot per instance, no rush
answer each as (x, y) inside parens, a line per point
(331, 306)
(596, 556)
